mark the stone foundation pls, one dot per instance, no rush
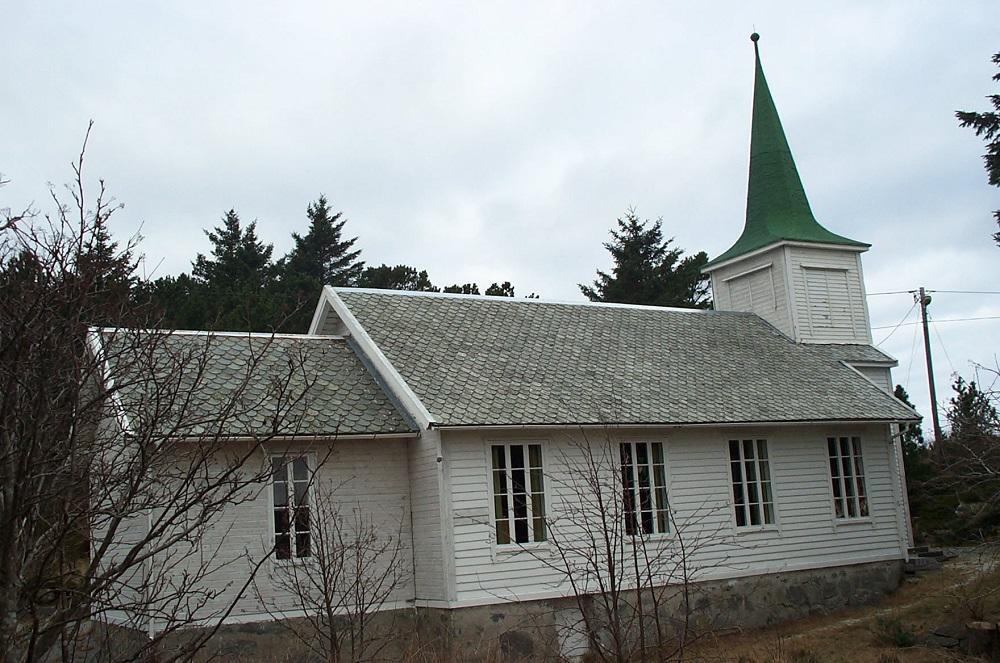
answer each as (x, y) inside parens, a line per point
(539, 630)
(555, 629)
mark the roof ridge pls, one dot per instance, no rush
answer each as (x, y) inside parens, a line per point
(523, 300)
(227, 334)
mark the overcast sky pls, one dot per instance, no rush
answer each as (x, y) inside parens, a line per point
(489, 142)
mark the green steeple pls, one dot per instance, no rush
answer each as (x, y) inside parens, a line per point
(777, 207)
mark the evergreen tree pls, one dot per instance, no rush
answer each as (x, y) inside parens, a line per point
(465, 289)
(504, 289)
(400, 277)
(178, 302)
(647, 270)
(238, 280)
(987, 126)
(108, 272)
(915, 450)
(322, 255)
(970, 413)
(239, 259)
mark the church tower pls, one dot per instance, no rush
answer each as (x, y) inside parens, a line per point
(786, 267)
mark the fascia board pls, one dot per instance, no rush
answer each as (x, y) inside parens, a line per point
(387, 372)
(769, 247)
(96, 346)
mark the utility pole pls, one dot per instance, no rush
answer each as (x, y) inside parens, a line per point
(924, 300)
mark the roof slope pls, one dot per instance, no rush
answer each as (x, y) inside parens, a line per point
(777, 207)
(197, 384)
(498, 361)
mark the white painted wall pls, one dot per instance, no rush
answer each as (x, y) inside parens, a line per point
(364, 476)
(756, 284)
(879, 375)
(818, 292)
(427, 505)
(806, 535)
(828, 295)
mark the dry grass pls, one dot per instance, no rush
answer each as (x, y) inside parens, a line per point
(889, 632)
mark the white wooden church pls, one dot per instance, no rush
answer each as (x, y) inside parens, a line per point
(765, 429)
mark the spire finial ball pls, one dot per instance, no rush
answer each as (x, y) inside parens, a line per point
(754, 37)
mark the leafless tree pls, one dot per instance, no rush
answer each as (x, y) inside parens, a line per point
(355, 570)
(112, 462)
(618, 544)
(966, 463)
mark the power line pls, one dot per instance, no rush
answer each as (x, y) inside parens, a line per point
(941, 343)
(906, 324)
(898, 325)
(913, 353)
(950, 292)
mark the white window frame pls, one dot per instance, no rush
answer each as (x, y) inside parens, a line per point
(288, 459)
(531, 490)
(849, 493)
(764, 487)
(657, 489)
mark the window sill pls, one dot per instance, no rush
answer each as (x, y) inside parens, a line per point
(512, 549)
(293, 561)
(647, 539)
(757, 529)
(848, 522)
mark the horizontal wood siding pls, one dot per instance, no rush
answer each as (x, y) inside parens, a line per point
(762, 292)
(828, 295)
(367, 478)
(877, 374)
(806, 534)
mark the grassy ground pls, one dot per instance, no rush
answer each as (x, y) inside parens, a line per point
(897, 629)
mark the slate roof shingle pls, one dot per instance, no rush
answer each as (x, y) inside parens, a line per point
(240, 385)
(498, 361)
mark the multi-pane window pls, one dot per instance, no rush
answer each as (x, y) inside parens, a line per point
(751, 474)
(518, 493)
(644, 488)
(290, 490)
(847, 475)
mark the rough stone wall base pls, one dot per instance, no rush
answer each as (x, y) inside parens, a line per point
(538, 630)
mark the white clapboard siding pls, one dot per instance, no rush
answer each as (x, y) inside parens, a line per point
(755, 284)
(879, 375)
(828, 295)
(806, 535)
(363, 477)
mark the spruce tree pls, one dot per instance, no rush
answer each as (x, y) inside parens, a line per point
(504, 289)
(322, 255)
(400, 277)
(971, 413)
(915, 450)
(647, 270)
(464, 289)
(987, 126)
(238, 280)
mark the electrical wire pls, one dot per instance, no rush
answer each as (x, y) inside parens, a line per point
(898, 325)
(985, 317)
(968, 292)
(941, 343)
(950, 292)
(913, 353)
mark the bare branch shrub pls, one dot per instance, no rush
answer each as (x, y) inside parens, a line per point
(346, 588)
(113, 462)
(629, 578)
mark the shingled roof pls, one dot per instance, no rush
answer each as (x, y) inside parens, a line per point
(498, 361)
(184, 384)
